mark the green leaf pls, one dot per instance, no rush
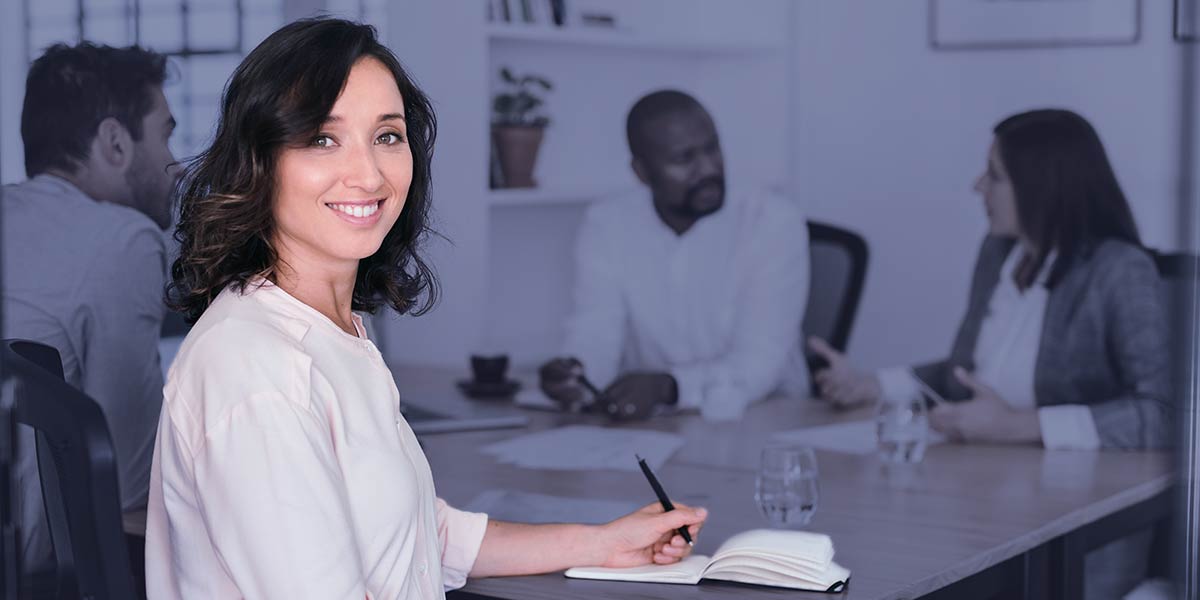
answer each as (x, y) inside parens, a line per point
(504, 103)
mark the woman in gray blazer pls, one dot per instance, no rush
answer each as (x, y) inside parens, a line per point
(1064, 341)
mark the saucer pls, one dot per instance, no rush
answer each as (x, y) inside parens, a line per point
(491, 391)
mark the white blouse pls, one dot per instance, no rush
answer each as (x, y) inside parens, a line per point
(283, 468)
(1006, 359)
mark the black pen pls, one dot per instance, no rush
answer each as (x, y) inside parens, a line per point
(662, 496)
(583, 380)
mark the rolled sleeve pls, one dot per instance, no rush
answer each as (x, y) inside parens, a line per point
(1068, 427)
(460, 534)
(710, 389)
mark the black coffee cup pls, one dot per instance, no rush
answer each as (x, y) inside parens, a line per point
(489, 369)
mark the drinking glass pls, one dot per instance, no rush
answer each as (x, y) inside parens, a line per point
(786, 488)
(902, 424)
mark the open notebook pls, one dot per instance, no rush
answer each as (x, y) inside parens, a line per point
(789, 559)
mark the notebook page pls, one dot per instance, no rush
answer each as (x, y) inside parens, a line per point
(803, 545)
(686, 571)
(794, 559)
(836, 575)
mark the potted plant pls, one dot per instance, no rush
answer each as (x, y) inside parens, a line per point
(517, 127)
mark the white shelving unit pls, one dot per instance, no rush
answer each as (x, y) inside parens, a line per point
(591, 38)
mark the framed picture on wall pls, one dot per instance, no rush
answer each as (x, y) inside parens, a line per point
(999, 24)
(1187, 21)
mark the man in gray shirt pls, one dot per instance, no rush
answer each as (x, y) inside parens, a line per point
(84, 259)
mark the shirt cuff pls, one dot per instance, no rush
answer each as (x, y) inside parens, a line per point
(461, 535)
(897, 382)
(1068, 427)
(690, 385)
(709, 390)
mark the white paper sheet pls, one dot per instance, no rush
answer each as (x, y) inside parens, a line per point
(528, 507)
(536, 399)
(583, 447)
(854, 437)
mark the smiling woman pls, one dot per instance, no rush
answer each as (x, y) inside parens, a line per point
(280, 143)
(283, 467)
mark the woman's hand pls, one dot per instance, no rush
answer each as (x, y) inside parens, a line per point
(840, 383)
(649, 536)
(986, 417)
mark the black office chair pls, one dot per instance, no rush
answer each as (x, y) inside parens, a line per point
(1179, 273)
(78, 471)
(836, 277)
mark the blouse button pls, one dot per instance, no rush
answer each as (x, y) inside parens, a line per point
(421, 567)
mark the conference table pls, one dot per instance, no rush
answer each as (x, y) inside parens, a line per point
(969, 521)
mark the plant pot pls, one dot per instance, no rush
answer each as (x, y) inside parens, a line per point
(517, 148)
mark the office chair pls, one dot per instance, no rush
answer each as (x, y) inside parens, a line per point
(836, 277)
(78, 473)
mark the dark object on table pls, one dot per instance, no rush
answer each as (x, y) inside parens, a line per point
(489, 369)
(499, 390)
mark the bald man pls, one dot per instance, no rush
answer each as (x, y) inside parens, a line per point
(687, 296)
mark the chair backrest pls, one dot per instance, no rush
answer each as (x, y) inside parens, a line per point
(1176, 269)
(78, 470)
(836, 277)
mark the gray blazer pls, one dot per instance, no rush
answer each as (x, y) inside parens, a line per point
(1104, 342)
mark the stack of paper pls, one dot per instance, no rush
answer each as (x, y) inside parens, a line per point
(582, 447)
(854, 437)
(527, 507)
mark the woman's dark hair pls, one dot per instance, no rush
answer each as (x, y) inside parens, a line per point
(278, 97)
(71, 89)
(1068, 199)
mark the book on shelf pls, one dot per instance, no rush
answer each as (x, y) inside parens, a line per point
(797, 560)
(545, 13)
(495, 171)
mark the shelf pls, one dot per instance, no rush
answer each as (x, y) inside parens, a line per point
(553, 196)
(621, 39)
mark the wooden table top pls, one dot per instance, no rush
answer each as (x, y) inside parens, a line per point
(903, 530)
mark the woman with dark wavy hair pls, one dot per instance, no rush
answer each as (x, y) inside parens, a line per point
(283, 467)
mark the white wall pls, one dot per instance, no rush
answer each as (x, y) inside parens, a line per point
(890, 134)
(12, 91)
(450, 69)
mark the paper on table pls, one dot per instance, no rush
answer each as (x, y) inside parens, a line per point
(855, 437)
(528, 507)
(535, 398)
(583, 447)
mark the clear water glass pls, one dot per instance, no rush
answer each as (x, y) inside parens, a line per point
(786, 488)
(902, 424)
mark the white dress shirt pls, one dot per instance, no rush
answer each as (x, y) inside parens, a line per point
(284, 469)
(1006, 356)
(718, 307)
